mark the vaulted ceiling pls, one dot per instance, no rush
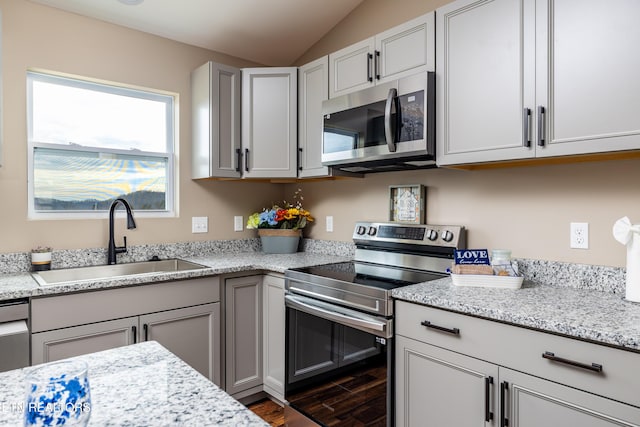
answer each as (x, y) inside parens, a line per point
(269, 32)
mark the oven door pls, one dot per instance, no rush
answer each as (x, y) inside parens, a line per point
(338, 365)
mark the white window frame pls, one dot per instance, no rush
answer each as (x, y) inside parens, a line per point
(113, 88)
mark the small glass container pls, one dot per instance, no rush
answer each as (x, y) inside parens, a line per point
(501, 262)
(58, 394)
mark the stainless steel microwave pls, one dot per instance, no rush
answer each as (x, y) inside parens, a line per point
(390, 126)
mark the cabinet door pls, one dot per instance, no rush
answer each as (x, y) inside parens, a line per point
(313, 88)
(587, 75)
(192, 334)
(406, 49)
(243, 315)
(215, 98)
(68, 342)
(485, 58)
(273, 335)
(351, 68)
(436, 387)
(533, 402)
(269, 122)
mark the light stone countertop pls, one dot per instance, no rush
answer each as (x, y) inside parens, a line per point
(140, 385)
(22, 285)
(597, 316)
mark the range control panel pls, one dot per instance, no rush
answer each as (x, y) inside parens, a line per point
(453, 236)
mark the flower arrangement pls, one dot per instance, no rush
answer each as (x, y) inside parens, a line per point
(288, 216)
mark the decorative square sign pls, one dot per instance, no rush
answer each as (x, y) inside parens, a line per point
(407, 203)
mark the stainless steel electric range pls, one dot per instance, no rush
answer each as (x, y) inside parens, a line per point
(339, 327)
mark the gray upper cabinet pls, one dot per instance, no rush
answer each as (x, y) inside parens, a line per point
(269, 122)
(402, 50)
(215, 97)
(313, 88)
(485, 80)
(587, 75)
(532, 78)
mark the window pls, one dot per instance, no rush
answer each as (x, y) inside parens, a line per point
(90, 143)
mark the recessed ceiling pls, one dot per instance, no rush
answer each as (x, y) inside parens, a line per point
(269, 32)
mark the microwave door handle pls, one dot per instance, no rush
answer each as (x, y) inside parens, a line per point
(388, 130)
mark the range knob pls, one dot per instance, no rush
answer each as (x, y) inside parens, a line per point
(432, 235)
(372, 231)
(447, 236)
(360, 230)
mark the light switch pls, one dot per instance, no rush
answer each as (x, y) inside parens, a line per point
(238, 223)
(329, 222)
(199, 224)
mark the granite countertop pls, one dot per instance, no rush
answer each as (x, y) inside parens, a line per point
(140, 385)
(22, 285)
(597, 316)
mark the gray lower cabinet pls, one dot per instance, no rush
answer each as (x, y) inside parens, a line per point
(192, 334)
(243, 317)
(532, 401)
(183, 316)
(440, 388)
(273, 335)
(469, 372)
(74, 341)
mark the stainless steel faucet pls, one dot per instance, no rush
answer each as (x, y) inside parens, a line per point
(113, 249)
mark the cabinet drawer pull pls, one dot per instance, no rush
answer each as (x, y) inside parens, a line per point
(145, 328)
(541, 125)
(526, 133)
(246, 159)
(488, 415)
(504, 388)
(134, 332)
(595, 367)
(454, 331)
(369, 63)
(377, 65)
(299, 158)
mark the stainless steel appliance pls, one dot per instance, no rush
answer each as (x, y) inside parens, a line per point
(14, 334)
(339, 323)
(390, 126)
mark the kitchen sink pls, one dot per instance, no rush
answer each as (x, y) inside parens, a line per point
(77, 274)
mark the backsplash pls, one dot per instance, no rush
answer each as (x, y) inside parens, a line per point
(579, 276)
(20, 262)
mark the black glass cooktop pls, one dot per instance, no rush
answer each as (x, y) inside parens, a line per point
(367, 274)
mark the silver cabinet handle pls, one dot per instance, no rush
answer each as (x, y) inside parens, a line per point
(541, 125)
(526, 133)
(388, 130)
(346, 317)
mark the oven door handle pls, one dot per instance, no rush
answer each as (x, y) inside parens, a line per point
(345, 316)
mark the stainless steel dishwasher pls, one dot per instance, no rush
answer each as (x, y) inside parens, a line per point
(14, 334)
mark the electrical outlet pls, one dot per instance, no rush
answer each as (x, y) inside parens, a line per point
(199, 224)
(238, 223)
(329, 222)
(579, 235)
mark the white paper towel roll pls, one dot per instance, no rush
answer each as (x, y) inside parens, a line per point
(628, 234)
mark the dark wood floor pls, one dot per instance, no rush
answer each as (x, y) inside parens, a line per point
(269, 411)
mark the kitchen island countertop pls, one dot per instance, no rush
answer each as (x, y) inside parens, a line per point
(140, 385)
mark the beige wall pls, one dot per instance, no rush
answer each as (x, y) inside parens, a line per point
(35, 36)
(526, 209)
